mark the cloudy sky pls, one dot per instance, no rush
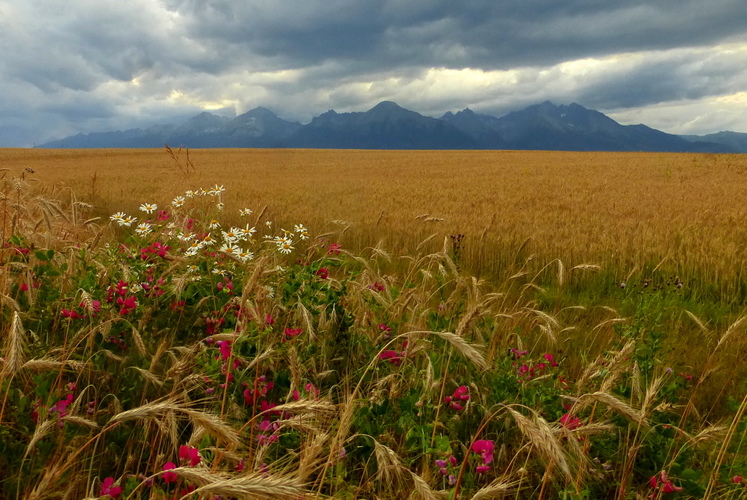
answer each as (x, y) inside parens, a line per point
(69, 66)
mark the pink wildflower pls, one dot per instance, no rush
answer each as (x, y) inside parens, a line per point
(334, 249)
(485, 448)
(311, 389)
(225, 349)
(108, 488)
(168, 476)
(570, 422)
(548, 357)
(517, 353)
(391, 356)
(187, 453)
(386, 329)
(461, 393)
(292, 332)
(128, 305)
(666, 485)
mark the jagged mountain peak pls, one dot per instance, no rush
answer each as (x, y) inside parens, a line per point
(387, 125)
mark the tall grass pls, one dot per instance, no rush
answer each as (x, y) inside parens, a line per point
(135, 367)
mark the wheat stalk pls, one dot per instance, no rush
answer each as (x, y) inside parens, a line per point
(542, 438)
(14, 347)
(460, 345)
(255, 486)
(496, 489)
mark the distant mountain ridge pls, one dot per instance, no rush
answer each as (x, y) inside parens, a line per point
(387, 125)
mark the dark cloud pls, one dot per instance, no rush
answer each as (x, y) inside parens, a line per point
(485, 34)
(80, 66)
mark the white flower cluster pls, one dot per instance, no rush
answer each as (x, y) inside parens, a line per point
(230, 241)
(285, 243)
(123, 219)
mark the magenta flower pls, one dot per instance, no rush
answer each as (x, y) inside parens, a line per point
(386, 329)
(108, 488)
(187, 453)
(292, 332)
(391, 356)
(485, 449)
(666, 485)
(128, 305)
(517, 353)
(168, 476)
(482, 469)
(461, 394)
(334, 249)
(548, 357)
(570, 422)
(323, 273)
(225, 349)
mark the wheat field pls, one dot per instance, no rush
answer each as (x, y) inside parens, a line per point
(446, 325)
(634, 211)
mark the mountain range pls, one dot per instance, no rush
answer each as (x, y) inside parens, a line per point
(387, 125)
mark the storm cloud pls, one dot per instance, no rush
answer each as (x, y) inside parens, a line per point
(69, 67)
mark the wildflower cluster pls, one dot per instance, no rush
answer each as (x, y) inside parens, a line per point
(195, 238)
(447, 468)
(177, 320)
(528, 369)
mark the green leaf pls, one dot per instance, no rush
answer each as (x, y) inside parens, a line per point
(691, 474)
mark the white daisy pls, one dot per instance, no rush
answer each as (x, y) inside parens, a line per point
(178, 201)
(229, 249)
(303, 233)
(285, 245)
(245, 212)
(143, 228)
(232, 235)
(149, 208)
(118, 217)
(245, 255)
(246, 232)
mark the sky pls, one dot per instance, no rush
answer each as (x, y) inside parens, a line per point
(96, 65)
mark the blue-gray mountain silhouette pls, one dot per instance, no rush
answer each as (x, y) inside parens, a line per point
(543, 126)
